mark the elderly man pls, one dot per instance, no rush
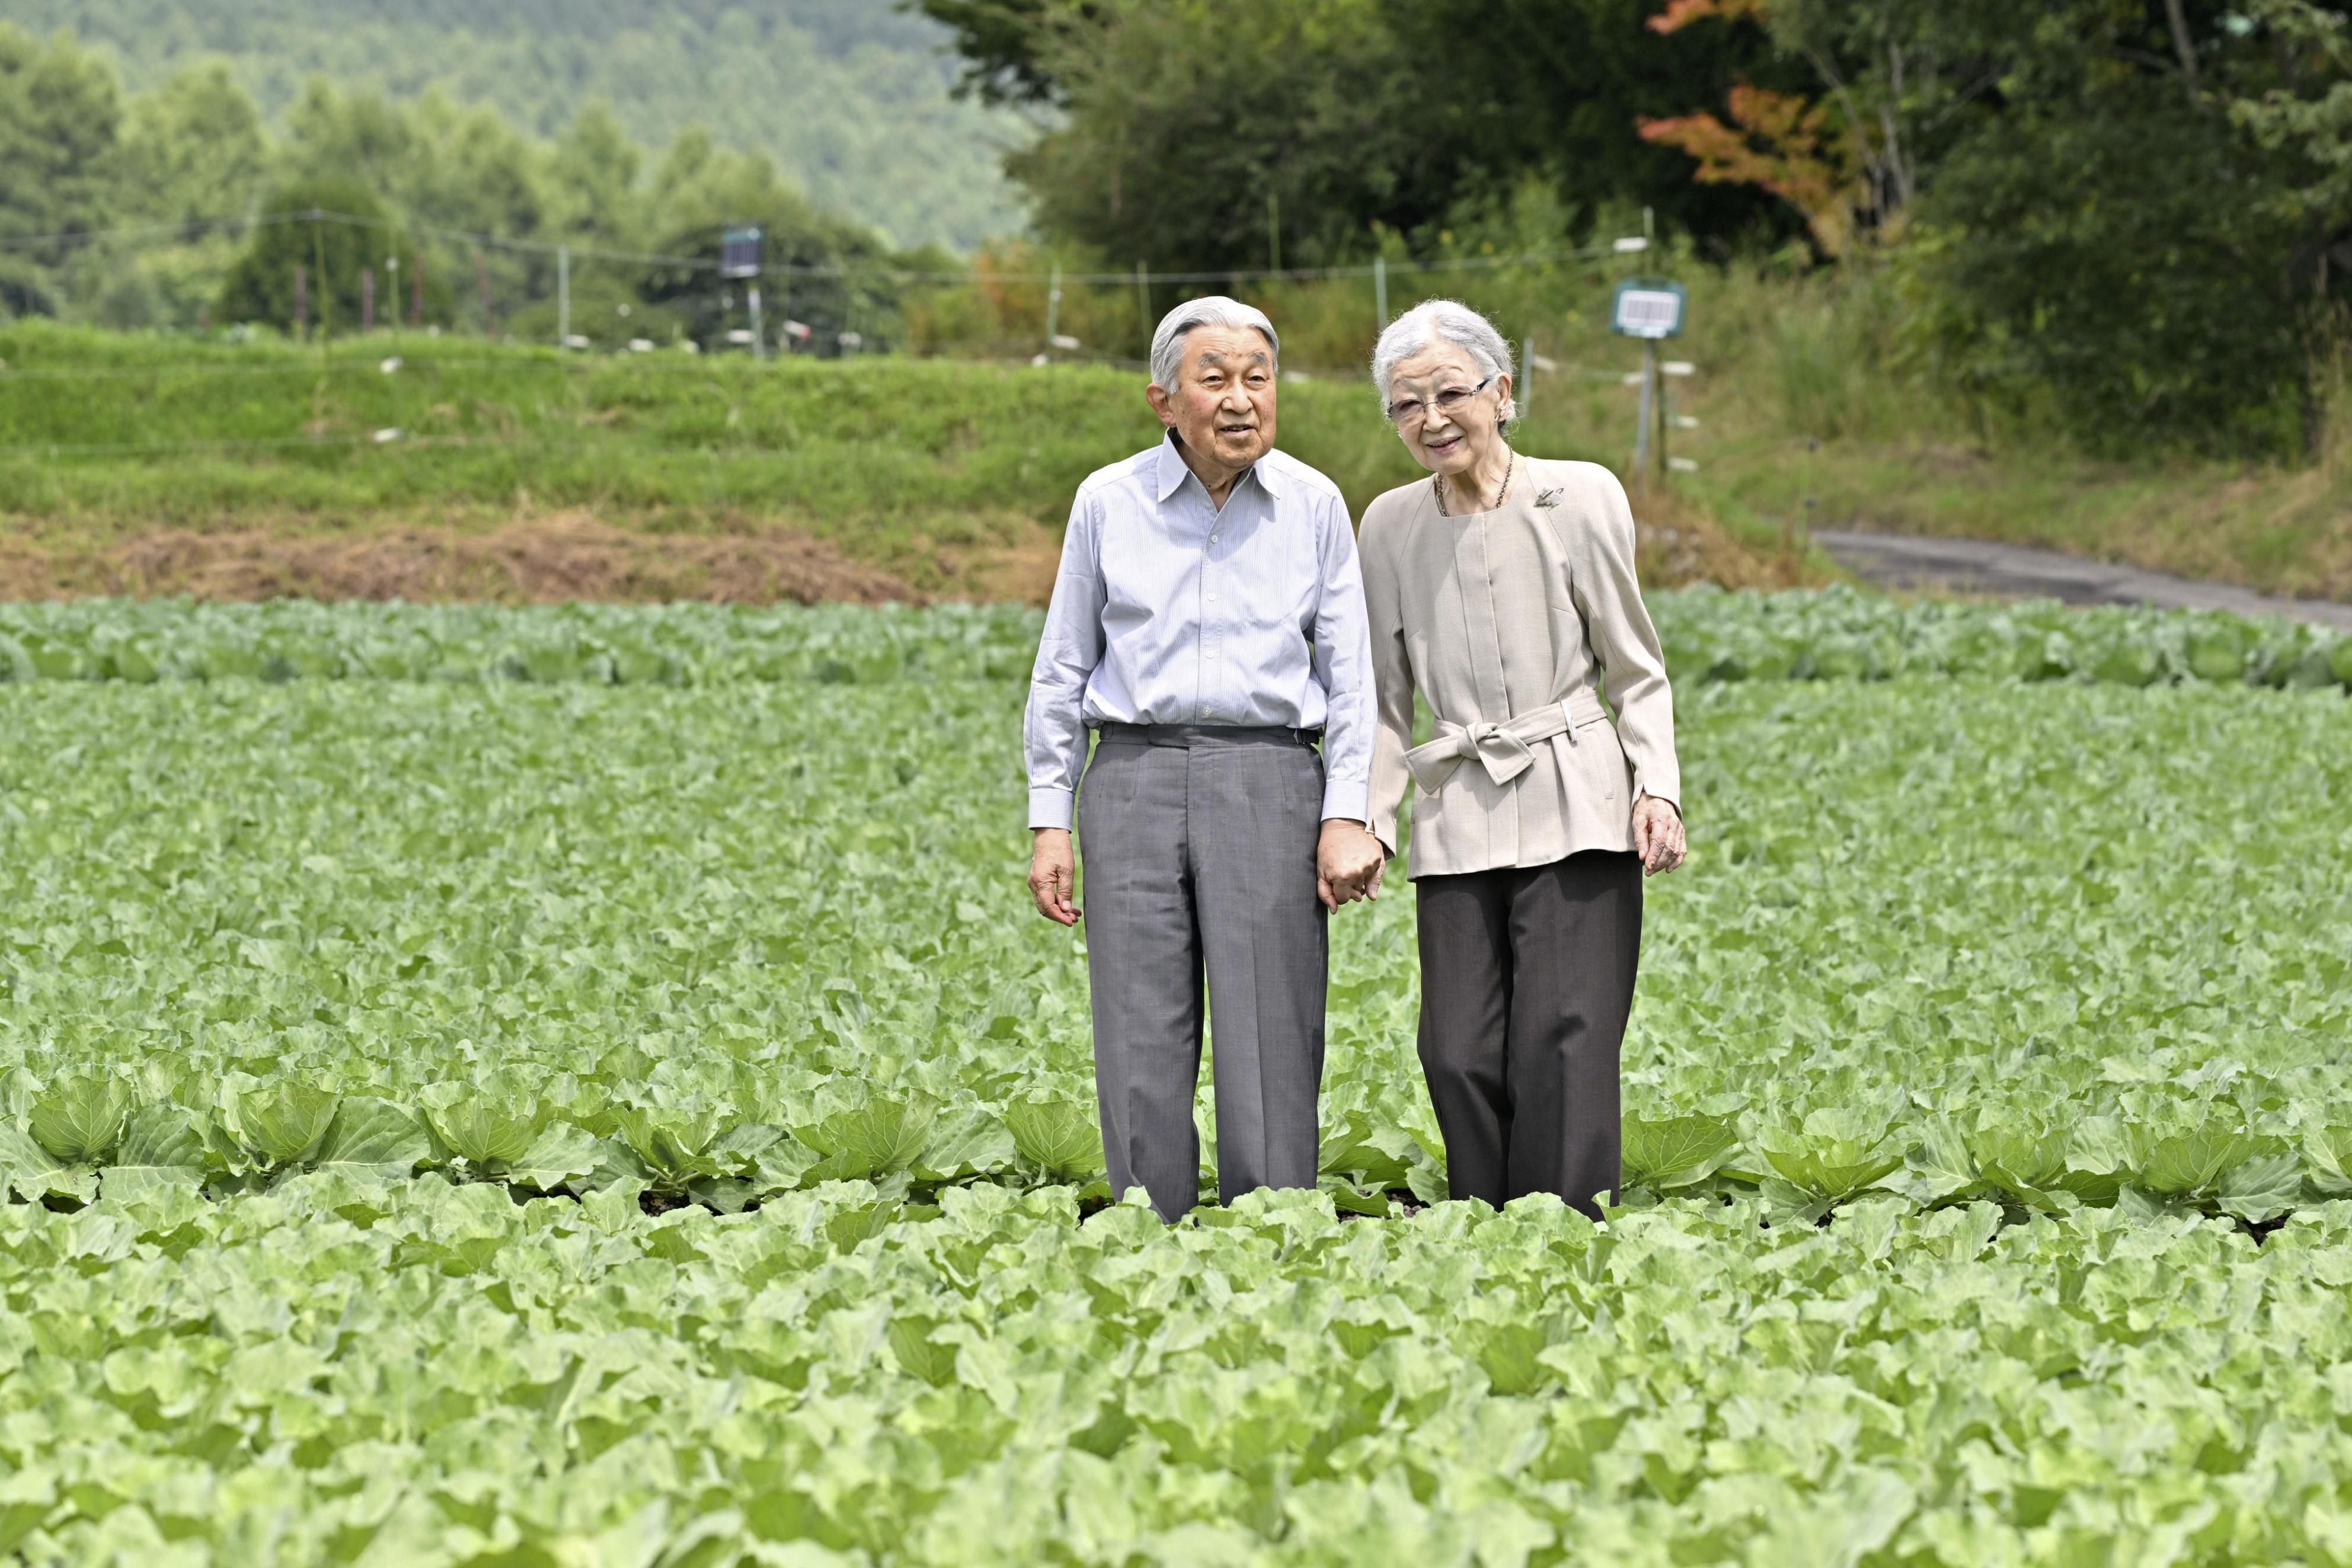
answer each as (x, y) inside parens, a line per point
(1209, 625)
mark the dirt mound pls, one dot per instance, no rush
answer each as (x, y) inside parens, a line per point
(1678, 542)
(537, 559)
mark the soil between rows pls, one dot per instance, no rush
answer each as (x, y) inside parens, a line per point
(531, 559)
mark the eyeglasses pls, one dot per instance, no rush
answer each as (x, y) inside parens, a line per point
(1449, 402)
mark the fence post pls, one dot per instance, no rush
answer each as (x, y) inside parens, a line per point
(1649, 407)
(367, 299)
(319, 264)
(1143, 306)
(482, 281)
(563, 297)
(1381, 290)
(1053, 305)
(301, 303)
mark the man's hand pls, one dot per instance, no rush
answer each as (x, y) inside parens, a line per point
(1657, 835)
(1054, 876)
(1349, 862)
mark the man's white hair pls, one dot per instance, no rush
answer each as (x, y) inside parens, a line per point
(1457, 324)
(1213, 310)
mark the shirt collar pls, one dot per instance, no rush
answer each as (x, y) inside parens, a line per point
(1172, 472)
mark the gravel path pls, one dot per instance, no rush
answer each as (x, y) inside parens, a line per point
(1978, 566)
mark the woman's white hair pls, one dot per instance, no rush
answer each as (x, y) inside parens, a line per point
(1456, 323)
(1212, 310)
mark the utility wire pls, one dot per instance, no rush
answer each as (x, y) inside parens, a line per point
(194, 226)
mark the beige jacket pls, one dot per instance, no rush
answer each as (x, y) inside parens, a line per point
(1505, 621)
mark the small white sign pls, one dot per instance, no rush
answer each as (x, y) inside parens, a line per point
(1679, 367)
(1064, 342)
(1649, 312)
(1630, 247)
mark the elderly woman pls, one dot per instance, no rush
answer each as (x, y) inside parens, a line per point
(1501, 588)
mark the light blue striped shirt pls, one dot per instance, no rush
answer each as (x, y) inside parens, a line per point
(1170, 612)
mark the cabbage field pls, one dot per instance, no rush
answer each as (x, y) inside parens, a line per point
(584, 1087)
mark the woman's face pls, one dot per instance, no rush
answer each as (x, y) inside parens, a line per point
(1447, 439)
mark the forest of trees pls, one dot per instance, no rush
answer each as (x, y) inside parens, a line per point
(849, 96)
(109, 202)
(2138, 212)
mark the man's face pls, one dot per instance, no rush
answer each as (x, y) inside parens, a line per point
(1223, 403)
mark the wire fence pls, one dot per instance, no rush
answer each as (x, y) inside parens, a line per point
(585, 250)
(578, 292)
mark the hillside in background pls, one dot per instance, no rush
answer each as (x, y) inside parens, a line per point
(850, 96)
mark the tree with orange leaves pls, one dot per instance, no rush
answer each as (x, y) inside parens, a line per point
(1839, 159)
(1782, 142)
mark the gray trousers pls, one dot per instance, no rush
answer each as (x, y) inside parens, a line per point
(1527, 983)
(1198, 849)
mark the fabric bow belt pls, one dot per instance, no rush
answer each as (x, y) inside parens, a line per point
(1506, 749)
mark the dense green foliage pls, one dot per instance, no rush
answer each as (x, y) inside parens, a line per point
(172, 208)
(2034, 987)
(1836, 634)
(434, 1377)
(849, 98)
(325, 275)
(2129, 217)
(2107, 230)
(1356, 116)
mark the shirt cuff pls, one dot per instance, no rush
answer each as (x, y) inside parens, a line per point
(1348, 800)
(1049, 807)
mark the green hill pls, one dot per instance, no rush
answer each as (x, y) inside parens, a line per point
(850, 96)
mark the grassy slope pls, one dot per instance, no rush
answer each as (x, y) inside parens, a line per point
(103, 438)
(1802, 391)
(913, 465)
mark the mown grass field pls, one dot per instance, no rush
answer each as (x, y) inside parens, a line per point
(914, 466)
(547, 1087)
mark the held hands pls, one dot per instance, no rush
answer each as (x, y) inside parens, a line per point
(1054, 876)
(1349, 862)
(1658, 836)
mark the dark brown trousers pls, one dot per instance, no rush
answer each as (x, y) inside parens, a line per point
(1526, 980)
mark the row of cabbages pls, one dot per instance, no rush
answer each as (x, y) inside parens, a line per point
(86, 1133)
(1837, 633)
(671, 644)
(1841, 634)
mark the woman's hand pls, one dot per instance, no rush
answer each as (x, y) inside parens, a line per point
(1347, 863)
(1658, 836)
(1054, 876)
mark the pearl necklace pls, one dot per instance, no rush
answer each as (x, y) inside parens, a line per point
(1437, 483)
